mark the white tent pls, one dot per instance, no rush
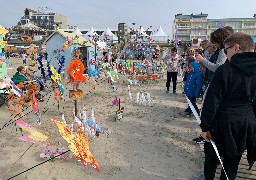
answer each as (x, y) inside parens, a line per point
(107, 32)
(109, 35)
(160, 36)
(90, 33)
(142, 32)
(141, 35)
(77, 32)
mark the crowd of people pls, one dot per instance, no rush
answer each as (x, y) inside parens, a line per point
(224, 74)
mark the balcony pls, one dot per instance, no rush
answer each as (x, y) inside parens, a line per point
(183, 27)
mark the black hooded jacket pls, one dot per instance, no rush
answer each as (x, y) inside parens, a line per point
(228, 107)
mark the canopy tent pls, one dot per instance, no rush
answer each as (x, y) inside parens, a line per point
(142, 32)
(141, 35)
(77, 32)
(90, 33)
(107, 34)
(160, 36)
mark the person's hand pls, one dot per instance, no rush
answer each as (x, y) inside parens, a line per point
(199, 57)
(207, 136)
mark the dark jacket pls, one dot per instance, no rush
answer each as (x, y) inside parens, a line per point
(209, 74)
(193, 84)
(17, 78)
(227, 110)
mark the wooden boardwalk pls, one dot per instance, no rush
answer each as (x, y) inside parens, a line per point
(242, 173)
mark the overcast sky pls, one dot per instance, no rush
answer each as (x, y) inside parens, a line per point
(108, 13)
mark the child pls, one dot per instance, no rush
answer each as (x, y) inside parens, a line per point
(193, 84)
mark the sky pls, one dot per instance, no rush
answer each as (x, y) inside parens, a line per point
(146, 13)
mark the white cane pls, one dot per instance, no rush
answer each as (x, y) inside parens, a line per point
(212, 142)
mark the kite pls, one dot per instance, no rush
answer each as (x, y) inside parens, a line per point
(35, 136)
(79, 145)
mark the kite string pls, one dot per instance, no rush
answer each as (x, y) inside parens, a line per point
(18, 159)
(38, 165)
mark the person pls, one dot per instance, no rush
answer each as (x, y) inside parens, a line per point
(218, 58)
(24, 57)
(217, 38)
(230, 29)
(227, 115)
(193, 84)
(19, 76)
(205, 51)
(172, 70)
(7, 55)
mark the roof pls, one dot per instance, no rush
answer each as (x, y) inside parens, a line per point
(81, 40)
(31, 10)
(107, 32)
(91, 32)
(232, 19)
(160, 32)
(180, 16)
(77, 32)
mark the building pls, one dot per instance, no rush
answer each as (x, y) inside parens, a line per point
(245, 25)
(44, 20)
(189, 27)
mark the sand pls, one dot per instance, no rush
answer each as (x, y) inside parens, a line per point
(149, 143)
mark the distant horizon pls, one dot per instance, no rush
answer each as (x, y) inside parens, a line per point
(102, 14)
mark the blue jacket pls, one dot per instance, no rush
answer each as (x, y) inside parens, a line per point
(194, 82)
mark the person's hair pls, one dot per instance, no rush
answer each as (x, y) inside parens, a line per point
(210, 44)
(190, 59)
(204, 42)
(230, 29)
(218, 36)
(20, 68)
(174, 49)
(192, 50)
(244, 40)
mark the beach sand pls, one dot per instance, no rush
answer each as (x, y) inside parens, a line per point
(149, 143)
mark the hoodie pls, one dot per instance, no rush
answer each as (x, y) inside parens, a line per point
(228, 107)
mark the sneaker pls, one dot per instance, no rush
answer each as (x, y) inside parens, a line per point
(174, 92)
(166, 92)
(199, 140)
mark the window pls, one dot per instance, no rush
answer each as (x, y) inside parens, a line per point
(182, 24)
(249, 24)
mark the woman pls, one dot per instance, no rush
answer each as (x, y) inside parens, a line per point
(19, 76)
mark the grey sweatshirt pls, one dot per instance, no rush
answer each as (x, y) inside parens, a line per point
(211, 66)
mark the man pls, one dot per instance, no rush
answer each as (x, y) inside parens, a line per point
(227, 114)
(24, 58)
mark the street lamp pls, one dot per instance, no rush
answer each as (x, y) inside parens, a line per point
(95, 38)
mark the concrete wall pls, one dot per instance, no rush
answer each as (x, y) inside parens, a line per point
(61, 18)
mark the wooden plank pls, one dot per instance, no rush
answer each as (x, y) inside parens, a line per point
(242, 172)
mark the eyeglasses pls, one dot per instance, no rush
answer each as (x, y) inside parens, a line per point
(226, 49)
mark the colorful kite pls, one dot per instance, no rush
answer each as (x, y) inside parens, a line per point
(79, 144)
